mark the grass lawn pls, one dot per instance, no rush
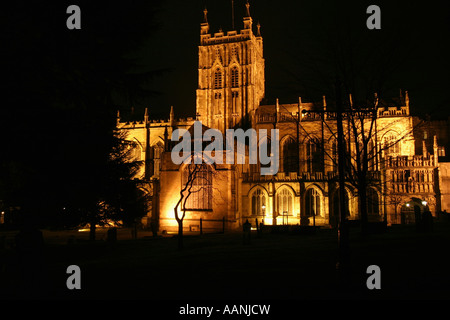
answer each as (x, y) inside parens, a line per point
(218, 266)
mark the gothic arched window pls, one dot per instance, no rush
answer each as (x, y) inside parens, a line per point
(312, 203)
(391, 144)
(371, 155)
(157, 152)
(258, 202)
(217, 79)
(200, 196)
(234, 51)
(289, 151)
(284, 202)
(334, 156)
(334, 214)
(136, 151)
(314, 161)
(234, 77)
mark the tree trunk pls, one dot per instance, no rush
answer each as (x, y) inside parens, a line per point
(180, 234)
(363, 206)
(92, 231)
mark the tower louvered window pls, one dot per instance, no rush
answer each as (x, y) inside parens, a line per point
(234, 77)
(217, 79)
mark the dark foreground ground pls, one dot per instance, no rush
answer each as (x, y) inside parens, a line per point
(413, 265)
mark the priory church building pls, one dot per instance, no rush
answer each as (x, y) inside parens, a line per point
(409, 175)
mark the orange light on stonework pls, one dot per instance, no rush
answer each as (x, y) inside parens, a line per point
(169, 213)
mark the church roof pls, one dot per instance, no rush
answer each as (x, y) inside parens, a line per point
(191, 129)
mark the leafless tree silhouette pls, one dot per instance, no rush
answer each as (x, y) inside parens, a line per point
(198, 178)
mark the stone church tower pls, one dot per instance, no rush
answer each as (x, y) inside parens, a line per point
(230, 75)
(409, 171)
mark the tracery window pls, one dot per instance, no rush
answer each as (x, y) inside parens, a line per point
(391, 144)
(314, 161)
(312, 203)
(258, 202)
(284, 202)
(217, 79)
(289, 151)
(200, 197)
(234, 77)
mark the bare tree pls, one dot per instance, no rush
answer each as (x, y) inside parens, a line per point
(394, 200)
(365, 151)
(362, 127)
(185, 192)
(197, 179)
(366, 63)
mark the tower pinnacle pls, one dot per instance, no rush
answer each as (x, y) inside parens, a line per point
(172, 116)
(205, 18)
(247, 6)
(205, 25)
(227, 95)
(247, 18)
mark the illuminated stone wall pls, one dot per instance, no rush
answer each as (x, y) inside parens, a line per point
(230, 75)
(230, 87)
(403, 174)
(443, 174)
(223, 200)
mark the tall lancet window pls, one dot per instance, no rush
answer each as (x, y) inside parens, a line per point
(289, 154)
(334, 156)
(258, 203)
(234, 101)
(312, 203)
(314, 161)
(217, 79)
(391, 144)
(234, 77)
(284, 202)
(234, 52)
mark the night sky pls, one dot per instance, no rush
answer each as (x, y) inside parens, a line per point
(299, 39)
(62, 88)
(302, 42)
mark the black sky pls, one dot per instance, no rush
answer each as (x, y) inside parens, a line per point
(295, 33)
(299, 39)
